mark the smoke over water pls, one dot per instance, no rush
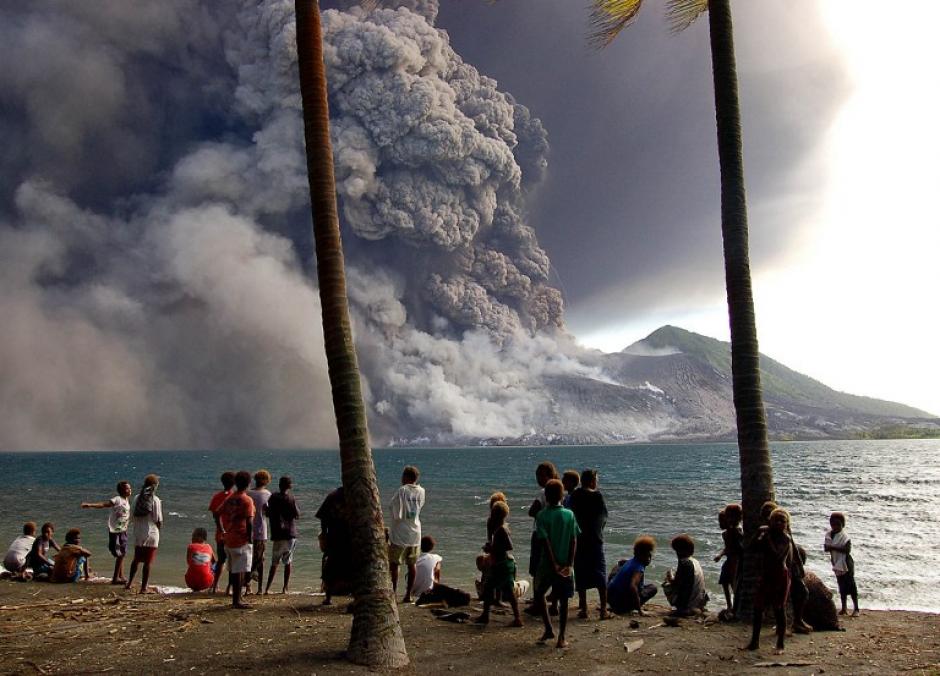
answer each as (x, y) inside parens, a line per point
(153, 206)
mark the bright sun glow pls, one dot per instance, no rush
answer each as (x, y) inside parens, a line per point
(858, 307)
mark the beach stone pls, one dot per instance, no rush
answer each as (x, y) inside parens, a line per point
(634, 645)
(820, 611)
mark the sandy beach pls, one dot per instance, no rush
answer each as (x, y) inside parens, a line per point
(95, 628)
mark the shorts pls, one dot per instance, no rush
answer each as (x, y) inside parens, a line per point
(257, 559)
(846, 583)
(282, 551)
(117, 544)
(403, 553)
(562, 587)
(239, 559)
(145, 554)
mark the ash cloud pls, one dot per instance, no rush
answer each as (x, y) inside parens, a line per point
(152, 289)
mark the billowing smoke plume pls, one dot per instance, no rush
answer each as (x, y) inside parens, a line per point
(153, 207)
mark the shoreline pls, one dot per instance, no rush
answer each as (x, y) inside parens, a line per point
(96, 628)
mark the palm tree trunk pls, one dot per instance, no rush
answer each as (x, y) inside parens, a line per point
(756, 475)
(376, 639)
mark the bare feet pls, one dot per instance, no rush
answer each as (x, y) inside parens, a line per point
(843, 612)
(549, 634)
(582, 614)
(751, 646)
(855, 613)
(407, 599)
(778, 650)
(241, 606)
(562, 644)
(517, 622)
(482, 619)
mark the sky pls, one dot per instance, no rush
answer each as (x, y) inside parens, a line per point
(509, 198)
(840, 146)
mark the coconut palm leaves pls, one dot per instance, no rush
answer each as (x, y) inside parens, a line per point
(609, 17)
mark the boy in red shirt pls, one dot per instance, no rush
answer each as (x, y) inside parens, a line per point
(215, 505)
(236, 516)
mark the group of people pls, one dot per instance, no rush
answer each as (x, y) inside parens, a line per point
(566, 554)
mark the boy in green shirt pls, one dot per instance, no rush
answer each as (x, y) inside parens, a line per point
(558, 530)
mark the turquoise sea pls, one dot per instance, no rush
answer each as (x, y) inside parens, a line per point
(889, 490)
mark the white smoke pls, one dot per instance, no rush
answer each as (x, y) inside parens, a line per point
(152, 292)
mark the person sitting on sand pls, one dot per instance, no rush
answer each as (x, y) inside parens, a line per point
(72, 560)
(775, 549)
(282, 517)
(500, 578)
(215, 508)
(39, 558)
(839, 546)
(729, 520)
(15, 559)
(260, 496)
(626, 590)
(686, 590)
(558, 530)
(118, 520)
(590, 564)
(237, 517)
(428, 587)
(147, 520)
(405, 532)
(200, 560)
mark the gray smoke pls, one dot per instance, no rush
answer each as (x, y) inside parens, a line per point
(152, 292)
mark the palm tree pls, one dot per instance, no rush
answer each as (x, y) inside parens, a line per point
(609, 18)
(376, 638)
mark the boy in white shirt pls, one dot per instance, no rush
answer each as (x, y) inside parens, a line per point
(427, 568)
(118, 520)
(15, 559)
(839, 546)
(405, 531)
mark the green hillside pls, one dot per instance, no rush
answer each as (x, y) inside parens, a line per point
(779, 382)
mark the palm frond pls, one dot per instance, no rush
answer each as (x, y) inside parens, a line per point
(609, 17)
(682, 13)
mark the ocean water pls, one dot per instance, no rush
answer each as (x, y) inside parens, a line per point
(889, 490)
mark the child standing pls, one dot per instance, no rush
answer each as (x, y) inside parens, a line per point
(590, 564)
(500, 578)
(282, 513)
(557, 528)
(199, 562)
(570, 480)
(776, 551)
(839, 547)
(544, 473)
(118, 520)
(215, 508)
(260, 496)
(148, 520)
(405, 533)
(729, 520)
(72, 560)
(237, 517)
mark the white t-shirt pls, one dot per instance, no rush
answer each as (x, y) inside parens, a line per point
(16, 555)
(424, 572)
(146, 533)
(406, 508)
(260, 497)
(120, 514)
(840, 564)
